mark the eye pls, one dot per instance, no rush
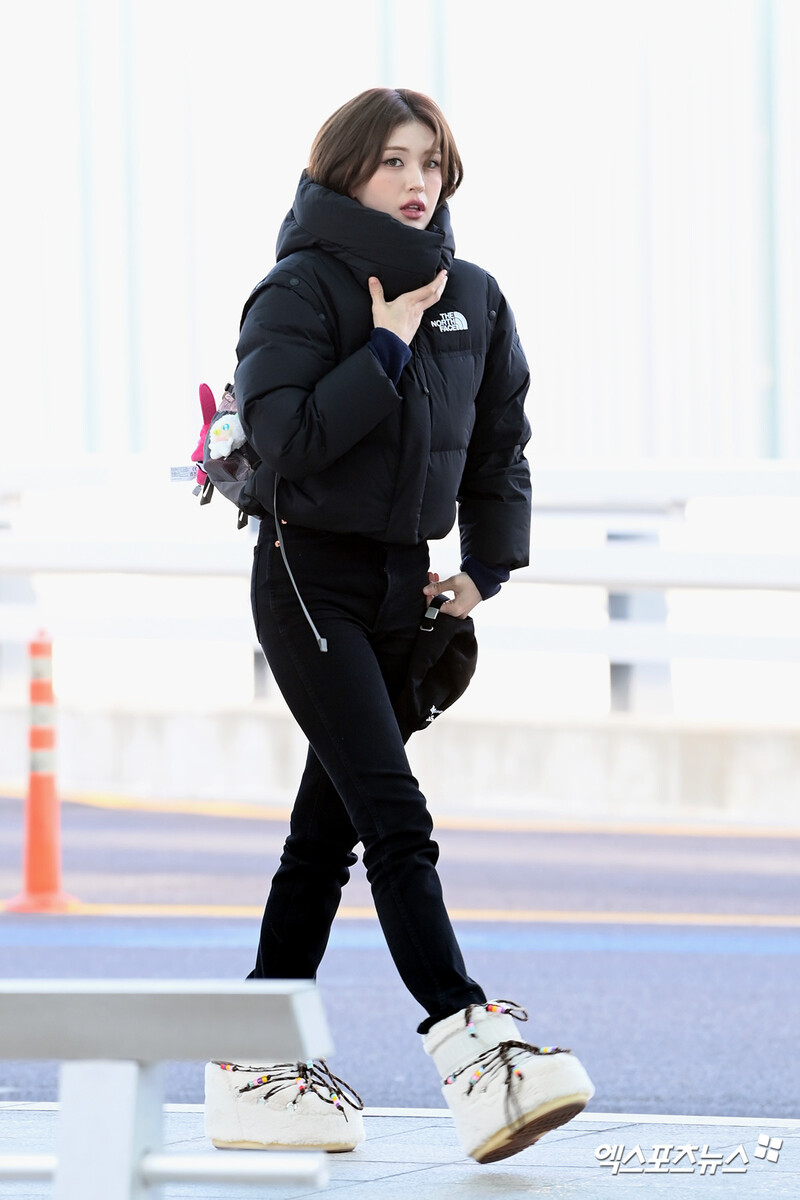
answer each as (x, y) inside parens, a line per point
(434, 164)
(393, 162)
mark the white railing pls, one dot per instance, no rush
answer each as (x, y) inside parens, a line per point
(629, 506)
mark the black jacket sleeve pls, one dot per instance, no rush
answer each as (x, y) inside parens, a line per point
(495, 494)
(301, 408)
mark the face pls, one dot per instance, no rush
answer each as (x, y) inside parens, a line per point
(408, 181)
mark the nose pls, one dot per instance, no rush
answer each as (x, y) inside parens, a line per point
(416, 180)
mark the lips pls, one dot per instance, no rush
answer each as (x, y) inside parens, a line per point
(414, 209)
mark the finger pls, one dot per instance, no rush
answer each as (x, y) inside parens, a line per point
(434, 294)
(435, 587)
(375, 288)
(430, 291)
(458, 606)
(440, 282)
(455, 610)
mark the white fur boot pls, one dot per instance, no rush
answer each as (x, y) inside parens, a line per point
(503, 1093)
(281, 1107)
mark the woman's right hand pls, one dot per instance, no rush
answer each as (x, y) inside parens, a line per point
(403, 315)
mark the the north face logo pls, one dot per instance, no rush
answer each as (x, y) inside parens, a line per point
(450, 322)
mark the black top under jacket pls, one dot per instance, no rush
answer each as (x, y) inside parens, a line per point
(355, 453)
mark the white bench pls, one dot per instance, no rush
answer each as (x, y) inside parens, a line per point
(112, 1038)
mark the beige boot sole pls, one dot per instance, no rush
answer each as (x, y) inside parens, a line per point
(519, 1136)
(330, 1149)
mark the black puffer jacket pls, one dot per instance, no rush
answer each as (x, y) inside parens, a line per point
(355, 453)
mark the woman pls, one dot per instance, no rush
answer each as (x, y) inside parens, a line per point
(382, 384)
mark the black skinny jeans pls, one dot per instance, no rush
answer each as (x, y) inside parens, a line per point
(366, 600)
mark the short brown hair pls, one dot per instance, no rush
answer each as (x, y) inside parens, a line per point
(348, 148)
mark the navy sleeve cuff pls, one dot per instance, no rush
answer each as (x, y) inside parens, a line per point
(391, 352)
(487, 579)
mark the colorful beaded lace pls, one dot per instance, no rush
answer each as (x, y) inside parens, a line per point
(505, 1059)
(307, 1077)
(503, 1007)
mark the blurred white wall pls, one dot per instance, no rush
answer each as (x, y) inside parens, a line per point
(632, 179)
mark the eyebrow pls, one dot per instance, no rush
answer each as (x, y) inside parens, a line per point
(405, 149)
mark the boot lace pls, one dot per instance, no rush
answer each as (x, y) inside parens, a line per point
(507, 1007)
(307, 1077)
(503, 1060)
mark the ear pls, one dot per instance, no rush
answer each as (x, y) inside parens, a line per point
(208, 404)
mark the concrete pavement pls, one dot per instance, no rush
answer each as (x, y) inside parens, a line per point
(414, 1152)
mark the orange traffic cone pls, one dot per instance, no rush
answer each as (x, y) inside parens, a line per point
(42, 860)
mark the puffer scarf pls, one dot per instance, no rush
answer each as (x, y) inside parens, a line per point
(368, 242)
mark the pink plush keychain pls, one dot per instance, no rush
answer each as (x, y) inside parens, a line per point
(208, 406)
